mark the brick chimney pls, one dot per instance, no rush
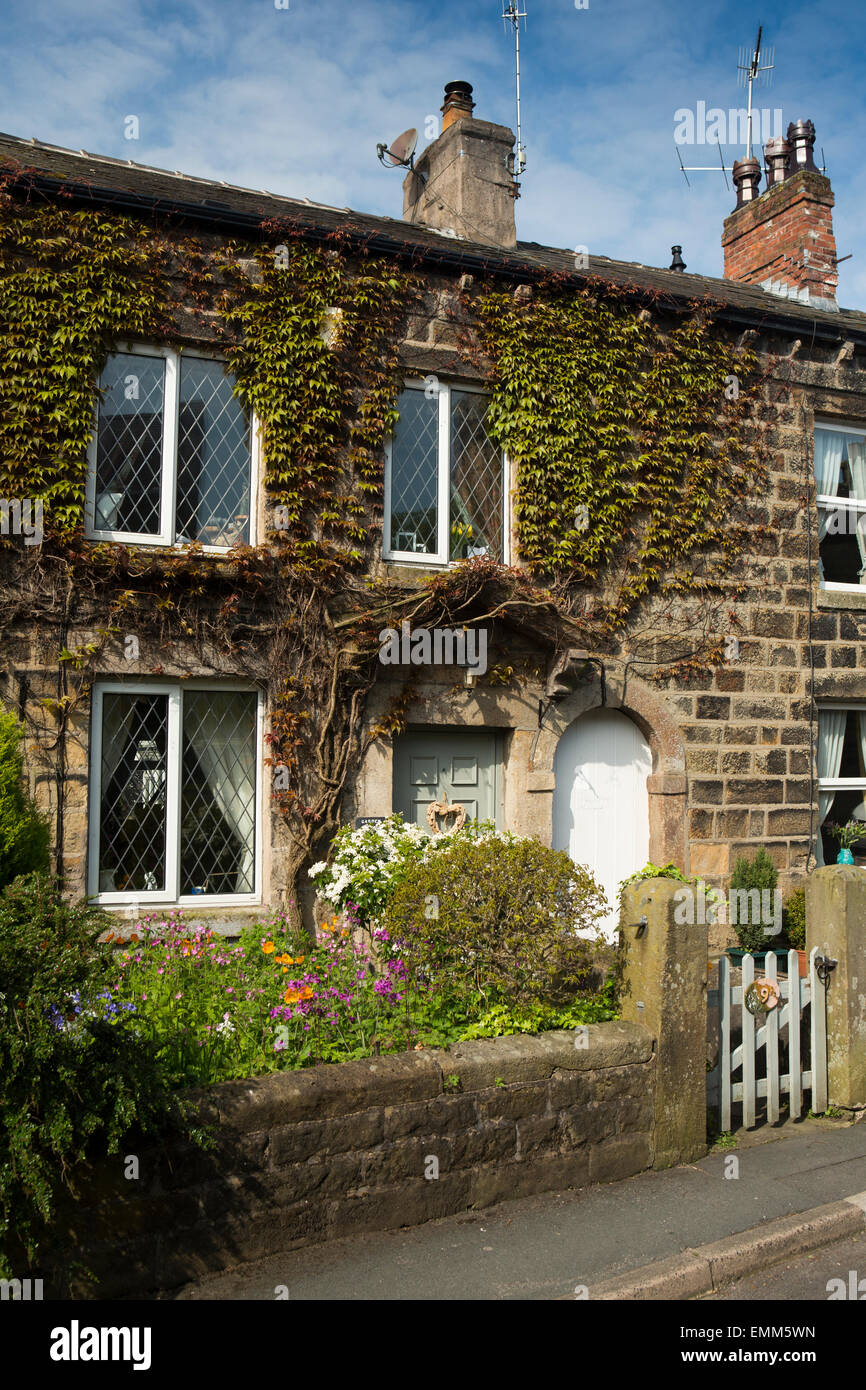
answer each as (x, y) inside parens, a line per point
(782, 239)
(463, 183)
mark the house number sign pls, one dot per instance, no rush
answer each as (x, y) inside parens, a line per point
(762, 996)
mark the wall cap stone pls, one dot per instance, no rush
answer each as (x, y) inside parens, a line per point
(344, 1088)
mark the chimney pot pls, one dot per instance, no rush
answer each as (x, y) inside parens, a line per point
(782, 239)
(801, 138)
(677, 263)
(746, 174)
(777, 153)
(458, 102)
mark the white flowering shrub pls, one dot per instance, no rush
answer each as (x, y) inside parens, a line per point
(365, 865)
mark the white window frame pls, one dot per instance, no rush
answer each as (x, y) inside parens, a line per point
(169, 896)
(443, 499)
(825, 502)
(170, 425)
(841, 784)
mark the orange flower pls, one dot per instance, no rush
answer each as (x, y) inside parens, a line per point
(268, 947)
(285, 970)
(134, 938)
(299, 960)
(292, 996)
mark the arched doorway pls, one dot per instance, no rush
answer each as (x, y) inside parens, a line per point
(600, 801)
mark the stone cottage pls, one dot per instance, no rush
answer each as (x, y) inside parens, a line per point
(161, 791)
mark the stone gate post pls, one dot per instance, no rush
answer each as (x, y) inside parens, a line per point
(665, 988)
(836, 924)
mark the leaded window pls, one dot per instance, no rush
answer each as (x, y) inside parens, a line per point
(175, 791)
(170, 460)
(445, 479)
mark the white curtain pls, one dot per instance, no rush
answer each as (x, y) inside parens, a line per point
(122, 718)
(831, 736)
(220, 725)
(829, 452)
(857, 464)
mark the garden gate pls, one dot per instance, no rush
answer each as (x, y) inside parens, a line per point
(770, 1031)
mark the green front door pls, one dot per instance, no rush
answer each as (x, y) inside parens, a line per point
(459, 767)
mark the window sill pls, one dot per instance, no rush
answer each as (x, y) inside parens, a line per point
(225, 919)
(852, 597)
(168, 547)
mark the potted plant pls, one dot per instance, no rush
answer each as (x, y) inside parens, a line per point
(759, 873)
(794, 923)
(846, 835)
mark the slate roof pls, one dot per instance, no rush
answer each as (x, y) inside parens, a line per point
(226, 207)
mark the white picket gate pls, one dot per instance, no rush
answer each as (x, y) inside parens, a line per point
(764, 1031)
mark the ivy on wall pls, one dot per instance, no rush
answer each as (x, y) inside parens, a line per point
(606, 415)
(70, 283)
(627, 438)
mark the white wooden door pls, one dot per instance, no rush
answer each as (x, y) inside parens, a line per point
(600, 805)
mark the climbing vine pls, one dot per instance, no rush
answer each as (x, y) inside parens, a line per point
(632, 467)
(71, 282)
(632, 474)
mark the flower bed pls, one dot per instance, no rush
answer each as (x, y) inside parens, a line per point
(221, 1010)
(432, 941)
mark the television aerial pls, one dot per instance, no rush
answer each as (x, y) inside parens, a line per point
(512, 15)
(401, 153)
(749, 71)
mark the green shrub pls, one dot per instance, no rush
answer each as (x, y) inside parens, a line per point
(758, 872)
(489, 921)
(73, 1070)
(794, 919)
(24, 834)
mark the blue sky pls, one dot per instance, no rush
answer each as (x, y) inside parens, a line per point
(294, 100)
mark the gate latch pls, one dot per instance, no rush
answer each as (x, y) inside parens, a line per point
(825, 965)
(642, 926)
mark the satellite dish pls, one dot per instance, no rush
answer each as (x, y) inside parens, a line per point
(400, 152)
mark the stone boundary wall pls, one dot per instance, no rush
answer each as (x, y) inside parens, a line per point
(338, 1150)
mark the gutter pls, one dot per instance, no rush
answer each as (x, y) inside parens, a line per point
(233, 219)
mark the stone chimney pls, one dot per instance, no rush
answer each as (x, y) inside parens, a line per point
(782, 239)
(463, 183)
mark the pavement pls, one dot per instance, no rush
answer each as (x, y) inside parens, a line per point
(547, 1247)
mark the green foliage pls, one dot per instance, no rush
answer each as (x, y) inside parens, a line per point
(626, 445)
(71, 282)
(759, 873)
(325, 406)
(503, 923)
(74, 1073)
(500, 1021)
(24, 832)
(794, 919)
(656, 871)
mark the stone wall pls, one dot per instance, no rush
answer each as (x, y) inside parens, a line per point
(307, 1156)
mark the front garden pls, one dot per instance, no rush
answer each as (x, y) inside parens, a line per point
(429, 940)
(425, 941)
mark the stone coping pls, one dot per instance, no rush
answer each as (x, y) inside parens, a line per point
(343, 1088)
